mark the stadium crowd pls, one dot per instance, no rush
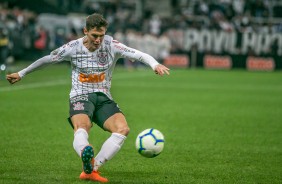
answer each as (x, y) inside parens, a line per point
(150, 33)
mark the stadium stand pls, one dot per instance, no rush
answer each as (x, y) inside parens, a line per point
(236, 28)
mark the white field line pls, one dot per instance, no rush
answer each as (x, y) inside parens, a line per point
(63, 82)
(34, 85)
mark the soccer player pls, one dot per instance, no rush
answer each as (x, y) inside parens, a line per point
(93, 58)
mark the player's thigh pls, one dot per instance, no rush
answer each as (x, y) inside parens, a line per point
(81, 111)
(106, 113)
(117, 124)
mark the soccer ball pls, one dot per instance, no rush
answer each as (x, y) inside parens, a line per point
(150, 143)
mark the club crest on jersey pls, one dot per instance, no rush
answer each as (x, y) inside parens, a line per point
(78, 106)
(102, 57)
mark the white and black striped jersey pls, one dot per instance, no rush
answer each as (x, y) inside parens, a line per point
(92, 71)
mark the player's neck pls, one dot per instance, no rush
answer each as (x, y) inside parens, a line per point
(88, 45)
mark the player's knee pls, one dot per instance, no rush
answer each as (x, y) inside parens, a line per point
(123, 130)
(84, 125)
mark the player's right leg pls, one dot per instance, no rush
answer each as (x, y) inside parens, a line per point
(81, 111)
(82, 125)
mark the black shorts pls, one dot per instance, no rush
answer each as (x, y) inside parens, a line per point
(98, 106)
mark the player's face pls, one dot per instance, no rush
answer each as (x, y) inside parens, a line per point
(95, 37)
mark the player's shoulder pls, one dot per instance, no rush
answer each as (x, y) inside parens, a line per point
(108, 40)
(70, 45)
(65, 50)
(74, 43)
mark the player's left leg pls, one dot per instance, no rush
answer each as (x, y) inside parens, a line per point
(117, 125)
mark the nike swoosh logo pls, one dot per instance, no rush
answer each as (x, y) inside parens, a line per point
(80, 60)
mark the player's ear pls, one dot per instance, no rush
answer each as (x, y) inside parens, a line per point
(85, 31)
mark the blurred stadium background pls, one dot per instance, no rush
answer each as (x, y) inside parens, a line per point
(221, 34)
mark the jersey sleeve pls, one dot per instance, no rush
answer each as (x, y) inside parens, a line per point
(40, 63)
(123, 51)
(58, 55)
(63, 53)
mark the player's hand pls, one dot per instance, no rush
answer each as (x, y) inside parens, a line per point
(13, 78)
(161, 70)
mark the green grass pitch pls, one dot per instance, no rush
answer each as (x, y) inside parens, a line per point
(219, 127)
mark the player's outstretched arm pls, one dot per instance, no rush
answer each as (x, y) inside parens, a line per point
(133, 54)
(13, 77)
(161, 70)
(40, 63)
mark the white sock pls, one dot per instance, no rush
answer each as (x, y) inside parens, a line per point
(80, 140)
(110, 147)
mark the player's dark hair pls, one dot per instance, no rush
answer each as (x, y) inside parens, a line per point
(96, 21)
